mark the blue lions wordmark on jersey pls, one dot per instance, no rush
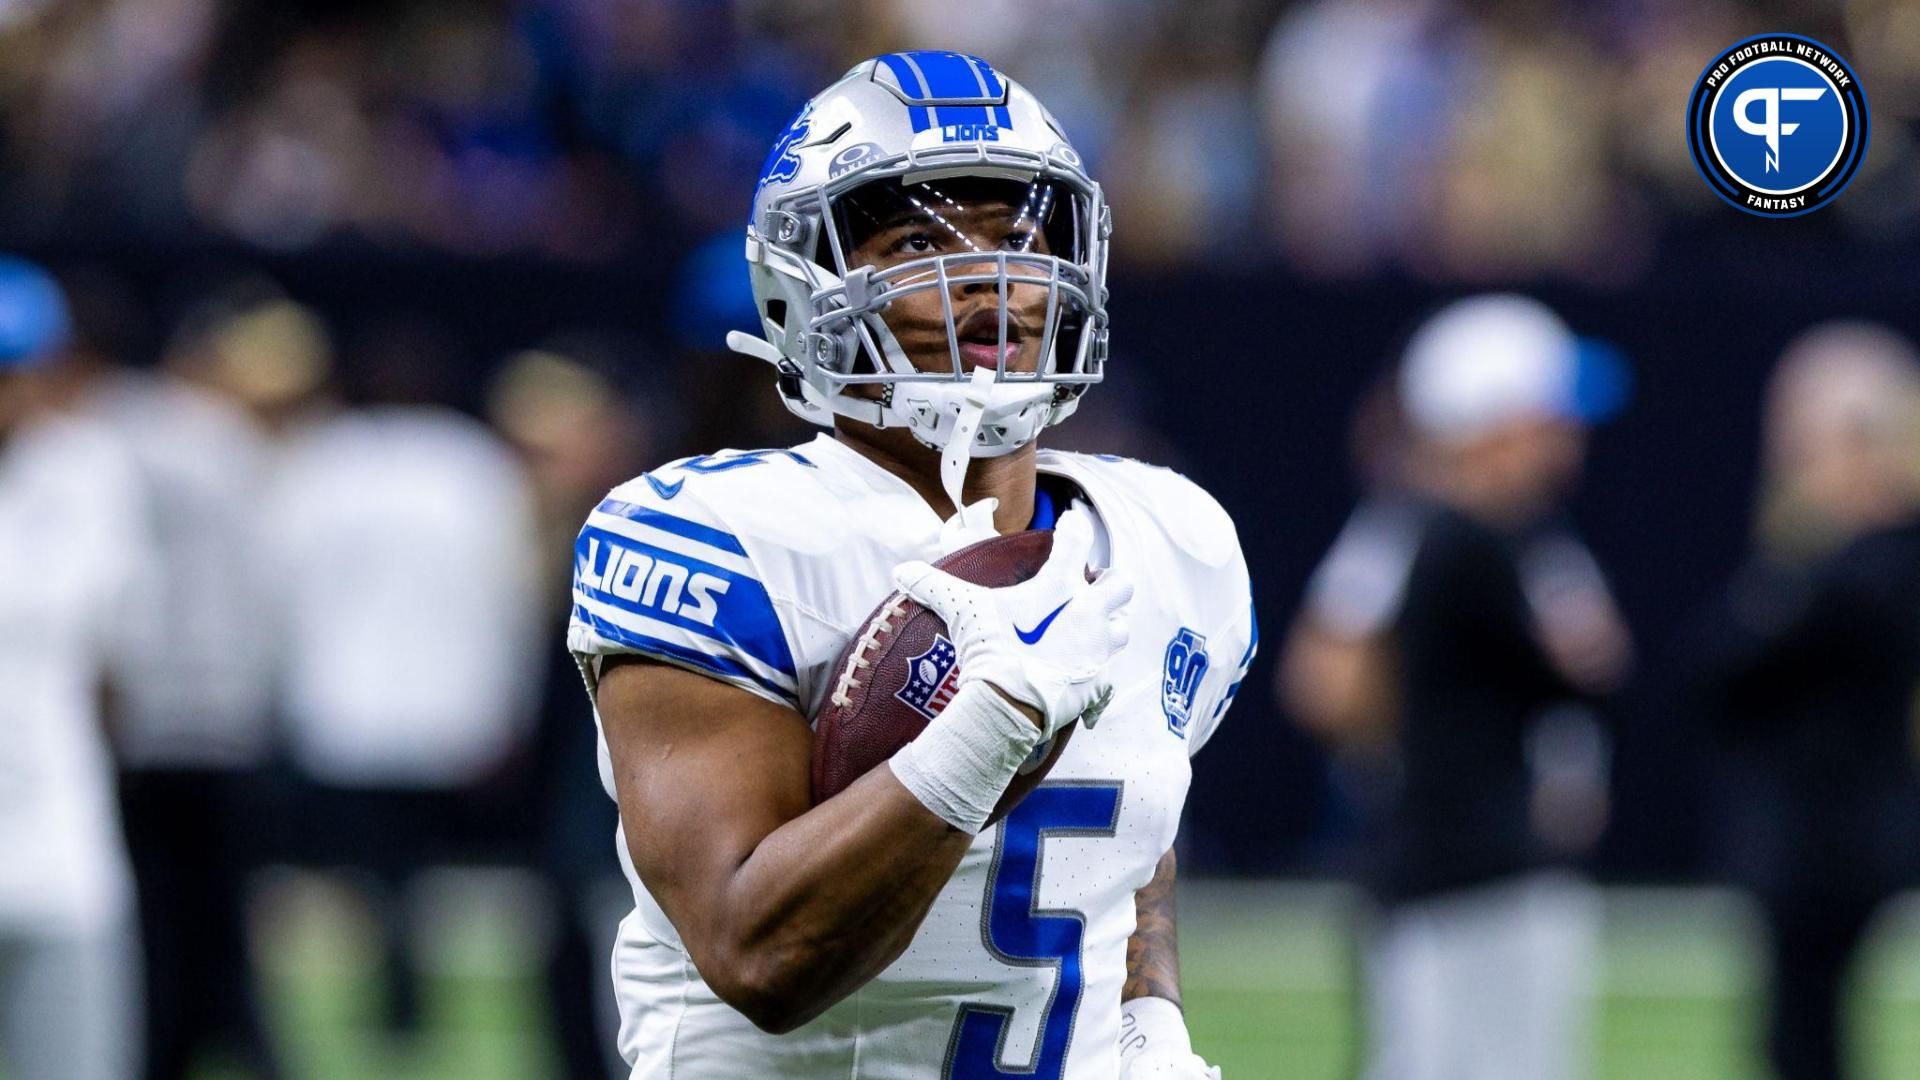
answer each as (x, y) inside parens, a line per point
(656, 583)
(756, 569)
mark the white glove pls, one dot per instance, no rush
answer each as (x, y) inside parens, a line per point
(1044, 642)
(1154, 1044)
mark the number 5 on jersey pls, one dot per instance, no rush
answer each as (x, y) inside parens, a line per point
(1019, 933)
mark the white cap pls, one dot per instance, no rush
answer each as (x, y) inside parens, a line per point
(1487, 361)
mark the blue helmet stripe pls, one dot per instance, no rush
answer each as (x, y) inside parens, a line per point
(931, 77)
(908, 75)
(949, 75)
(963, 114)
(989, 79)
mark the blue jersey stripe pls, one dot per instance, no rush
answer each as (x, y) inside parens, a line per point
(667, 650)
(1226, 699)
(1246, 658)
(679, 526)
(741, 615)
(1253, 635)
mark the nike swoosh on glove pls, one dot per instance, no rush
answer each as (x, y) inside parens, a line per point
(1062, 673)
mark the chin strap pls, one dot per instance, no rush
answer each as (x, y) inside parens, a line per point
(958, 451)
(955, 452)
(802, 399)
(759, 348)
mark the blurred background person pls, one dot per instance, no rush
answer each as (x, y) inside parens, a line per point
(388, 524)
(73, 544)
(1811, 668)
(1449, 636)
(250, 344)
(579, 434)
(191, 726)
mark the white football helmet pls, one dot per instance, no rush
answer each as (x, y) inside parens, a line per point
(920, 133)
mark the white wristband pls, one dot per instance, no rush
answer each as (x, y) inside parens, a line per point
(1152, 1023)
(962, 763)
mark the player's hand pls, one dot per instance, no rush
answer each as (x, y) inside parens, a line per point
(1045, 642)
(1154, 1044)
(1169, 1064)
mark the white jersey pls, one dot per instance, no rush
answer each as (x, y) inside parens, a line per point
(73, 545)
(193, 686)
(756, 569)
(374, 517)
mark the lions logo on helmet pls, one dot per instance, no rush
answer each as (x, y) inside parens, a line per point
(930, 129)
(782, 163)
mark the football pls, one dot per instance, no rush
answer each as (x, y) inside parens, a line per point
(897, 674)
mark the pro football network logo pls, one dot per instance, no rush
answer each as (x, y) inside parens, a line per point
(1778, 125)
(931, 678)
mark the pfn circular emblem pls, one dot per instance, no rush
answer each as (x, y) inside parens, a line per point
(1777, 125)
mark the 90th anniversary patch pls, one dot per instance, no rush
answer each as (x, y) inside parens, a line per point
(1778, 125)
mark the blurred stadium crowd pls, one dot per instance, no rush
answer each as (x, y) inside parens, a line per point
(375, 299)
(1465, 141)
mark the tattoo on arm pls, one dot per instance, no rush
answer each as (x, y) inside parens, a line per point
(1153, 952)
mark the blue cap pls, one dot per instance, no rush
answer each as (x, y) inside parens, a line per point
(1602, 381)
(34, 324)
(1492, 359)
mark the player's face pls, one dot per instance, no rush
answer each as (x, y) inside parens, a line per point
(923, 220)
(1540, 458)
(16, 393)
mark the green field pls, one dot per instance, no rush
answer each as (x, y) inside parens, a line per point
(1269, 983)
(1267, 970)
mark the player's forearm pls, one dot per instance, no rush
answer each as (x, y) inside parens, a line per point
(784, 906)
(828, 900)
(1153, 952)
(1154, 1041)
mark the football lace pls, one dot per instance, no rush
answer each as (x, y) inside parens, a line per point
(869, 639)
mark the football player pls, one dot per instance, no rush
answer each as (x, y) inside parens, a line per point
(928, 260)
